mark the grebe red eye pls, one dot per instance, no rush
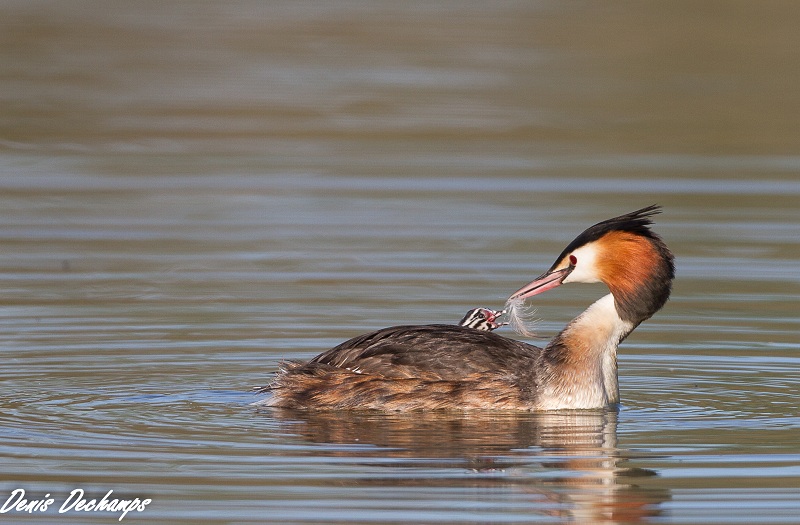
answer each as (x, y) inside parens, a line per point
(573, 260)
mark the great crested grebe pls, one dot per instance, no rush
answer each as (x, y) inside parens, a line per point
(438, 366)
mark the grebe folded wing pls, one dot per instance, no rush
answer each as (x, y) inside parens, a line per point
(434, 352)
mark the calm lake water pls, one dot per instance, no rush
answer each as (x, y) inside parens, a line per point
(192, 192)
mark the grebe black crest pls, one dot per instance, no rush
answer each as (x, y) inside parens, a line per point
(468, 366)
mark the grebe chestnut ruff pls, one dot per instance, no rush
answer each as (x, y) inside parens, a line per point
(429, 367)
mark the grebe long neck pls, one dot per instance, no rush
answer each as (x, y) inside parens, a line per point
(581, 361)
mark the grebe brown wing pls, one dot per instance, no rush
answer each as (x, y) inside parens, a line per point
(432, 352)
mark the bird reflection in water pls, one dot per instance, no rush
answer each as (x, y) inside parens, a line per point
(566, 463)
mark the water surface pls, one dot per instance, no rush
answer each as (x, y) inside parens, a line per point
(192, 193)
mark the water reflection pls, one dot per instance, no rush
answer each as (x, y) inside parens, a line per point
(568, 463)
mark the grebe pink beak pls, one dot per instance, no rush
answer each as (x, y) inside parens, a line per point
(546, 281)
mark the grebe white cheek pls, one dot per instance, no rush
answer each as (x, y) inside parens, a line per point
(584, 265)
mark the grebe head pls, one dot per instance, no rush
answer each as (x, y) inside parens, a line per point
(624, 254)
(482, 319)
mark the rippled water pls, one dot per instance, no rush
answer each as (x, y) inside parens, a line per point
(192, 193)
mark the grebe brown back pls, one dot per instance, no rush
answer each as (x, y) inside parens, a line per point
(427, 367)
